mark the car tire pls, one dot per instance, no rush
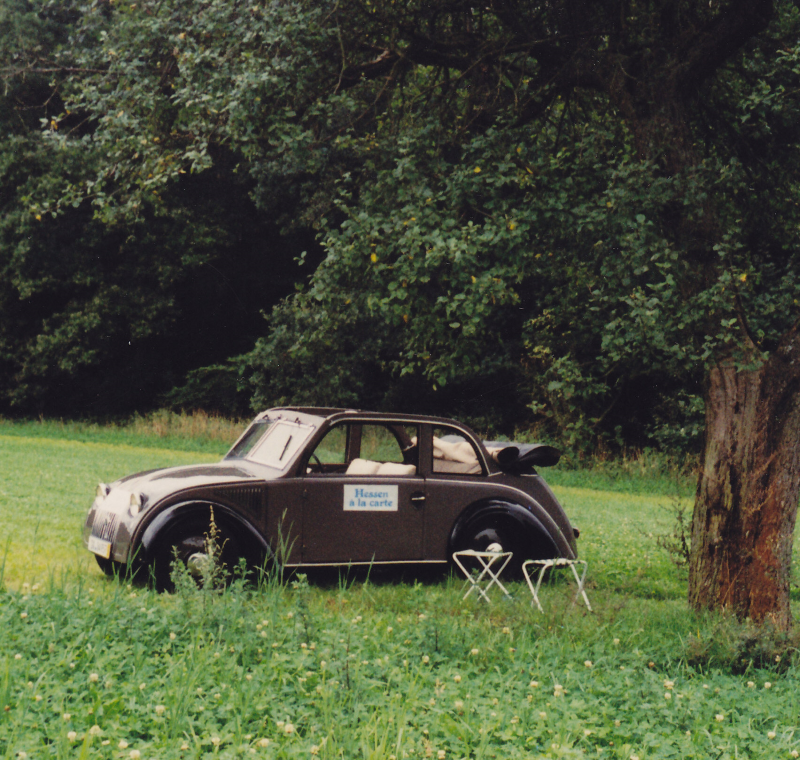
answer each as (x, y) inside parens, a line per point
(110, 567)
(503, 532)
(498, 532)
(186, 542)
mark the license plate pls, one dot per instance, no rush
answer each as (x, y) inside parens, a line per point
(100, 547)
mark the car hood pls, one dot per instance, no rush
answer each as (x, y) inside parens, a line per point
(156, 482)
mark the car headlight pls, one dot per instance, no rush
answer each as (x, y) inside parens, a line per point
(135, 504)
(102, 490)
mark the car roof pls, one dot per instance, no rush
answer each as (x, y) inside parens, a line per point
(334, 414)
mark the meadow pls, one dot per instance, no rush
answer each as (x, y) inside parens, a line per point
(366, 667)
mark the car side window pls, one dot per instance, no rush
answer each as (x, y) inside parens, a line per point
(387, 449)
(330, 455)
(332, 449)
(453, 453)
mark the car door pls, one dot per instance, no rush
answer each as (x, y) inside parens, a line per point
(456, 477)
(364, 499)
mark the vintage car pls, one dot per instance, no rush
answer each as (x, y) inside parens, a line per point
(313, 487)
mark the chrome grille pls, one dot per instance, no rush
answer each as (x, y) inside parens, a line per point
(106, 527)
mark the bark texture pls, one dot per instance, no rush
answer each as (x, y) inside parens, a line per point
(747, 492)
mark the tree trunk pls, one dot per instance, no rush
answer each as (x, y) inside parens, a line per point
(747, 492)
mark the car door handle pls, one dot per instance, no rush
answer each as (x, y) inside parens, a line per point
(418, 499)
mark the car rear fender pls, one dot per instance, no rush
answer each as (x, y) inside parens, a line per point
(533, 521)
(178, 512)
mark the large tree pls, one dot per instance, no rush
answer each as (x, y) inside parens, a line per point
(595, 190)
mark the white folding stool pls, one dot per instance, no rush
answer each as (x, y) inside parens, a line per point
(487, 561)
(557, 562)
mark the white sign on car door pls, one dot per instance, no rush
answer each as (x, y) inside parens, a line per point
(370, 498)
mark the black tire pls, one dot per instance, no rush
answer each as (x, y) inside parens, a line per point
(186, 542)
(500, 531)
(110, 567)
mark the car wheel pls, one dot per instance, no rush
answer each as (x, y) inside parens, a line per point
(186, 542)
(110, 567)
(498, 533)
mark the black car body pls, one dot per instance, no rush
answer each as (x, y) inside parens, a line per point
(317, 487)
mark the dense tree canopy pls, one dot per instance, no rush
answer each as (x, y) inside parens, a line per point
(578, 213)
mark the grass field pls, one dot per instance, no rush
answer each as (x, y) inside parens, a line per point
(91, 667)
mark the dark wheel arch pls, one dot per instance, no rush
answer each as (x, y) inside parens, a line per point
(189, 522)
(515, 527)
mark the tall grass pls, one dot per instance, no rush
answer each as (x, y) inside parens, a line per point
(196, 431)
(97, 668)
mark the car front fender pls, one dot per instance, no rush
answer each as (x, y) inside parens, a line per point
(174, 514)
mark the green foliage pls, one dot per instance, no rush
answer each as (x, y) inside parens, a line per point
(506, 233)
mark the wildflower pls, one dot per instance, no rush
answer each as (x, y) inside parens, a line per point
(23, 615)
(587, 663)
(304, 645)
(617, 723)
(558, 690)
(474, 650)
(669, 684)
(263, 742)
(587, 731)
(533, 684)
(288, 728)
(93, 677)
(142, 686)
(248, 677)
(506, 629)
(290, 615)
(767, 685)
(38, 697)
(72, 736)
(172, 636)
(459, 705)
(215, 740)
(457, 678)
(542, 715)
(24, 755)
(95, 730)
(135, 754)
(771, 734)
(616, 642)
(794, 753)
(160, 709)
(122, 744)
(667, 695)
(66, 716)
(426, 659)
(17, 656)
(515, 719)
(751, 685)
(634, 757)
(184, 746)
(389, 629)
(440, 754)
(477, 170)
(719, 717)
(315, 749)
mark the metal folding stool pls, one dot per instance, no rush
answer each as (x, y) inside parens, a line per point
(487, 561)
(558, 562)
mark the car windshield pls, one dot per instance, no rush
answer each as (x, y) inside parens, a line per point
(247, 442)
(270, 442)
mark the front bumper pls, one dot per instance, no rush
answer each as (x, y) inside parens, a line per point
(108, 527)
